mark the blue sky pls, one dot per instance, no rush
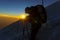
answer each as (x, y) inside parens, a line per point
(15, 7)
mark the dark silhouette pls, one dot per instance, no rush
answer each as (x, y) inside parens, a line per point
(37, 16)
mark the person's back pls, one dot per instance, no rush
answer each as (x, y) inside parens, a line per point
(42, 12)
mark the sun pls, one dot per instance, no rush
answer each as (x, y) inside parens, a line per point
(22, 16)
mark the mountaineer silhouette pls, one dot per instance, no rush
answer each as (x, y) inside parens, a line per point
(37, 16)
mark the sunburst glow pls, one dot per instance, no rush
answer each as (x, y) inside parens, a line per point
(22, 16)
(5, 15)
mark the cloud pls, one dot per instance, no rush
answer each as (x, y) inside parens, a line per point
(4, 21)
(5, 15)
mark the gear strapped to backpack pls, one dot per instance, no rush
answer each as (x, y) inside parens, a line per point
(37, 14)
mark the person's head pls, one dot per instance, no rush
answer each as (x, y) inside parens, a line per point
(27, 10)
(30, 10)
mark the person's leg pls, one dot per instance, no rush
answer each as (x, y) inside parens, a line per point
(34, 31)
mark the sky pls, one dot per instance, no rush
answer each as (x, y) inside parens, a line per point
(16, 7)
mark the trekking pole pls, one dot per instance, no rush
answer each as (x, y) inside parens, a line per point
(23, 29)
(27, 32)
(23, 18)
